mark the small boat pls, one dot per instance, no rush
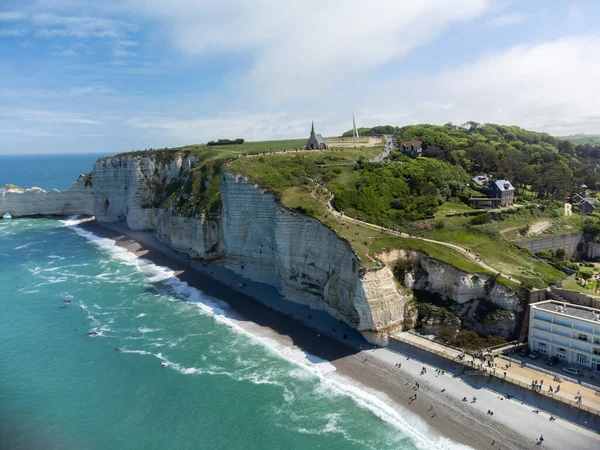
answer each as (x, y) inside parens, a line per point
(6, 216)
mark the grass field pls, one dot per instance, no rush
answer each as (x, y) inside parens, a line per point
(451, 208)
(502, 255)
(572, 285)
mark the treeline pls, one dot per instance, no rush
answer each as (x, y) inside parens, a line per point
(553, 167)
(397, 193)
(375, 131)
(226, 142)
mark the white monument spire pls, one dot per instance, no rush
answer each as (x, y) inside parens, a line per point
(354, 125)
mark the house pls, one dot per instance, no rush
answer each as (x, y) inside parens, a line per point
(567, 331)
(315, 141)
(503, 190)
(480, 180)
(411, 148)
(586, 205)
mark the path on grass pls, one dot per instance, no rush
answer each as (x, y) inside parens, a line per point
(389, 146)
(473, 257)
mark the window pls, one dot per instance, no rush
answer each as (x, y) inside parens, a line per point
(596, 340)
(582, 337)
(596, 350)
(560, 350)
(542, 344)
(562, 356)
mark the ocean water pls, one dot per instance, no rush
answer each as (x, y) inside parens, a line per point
(69, 299)
(44, 171)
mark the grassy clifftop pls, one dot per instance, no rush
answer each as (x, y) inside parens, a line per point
(407, 194)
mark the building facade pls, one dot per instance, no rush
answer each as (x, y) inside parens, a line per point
(567, 331)
(411, 148)
(503, 190)
(315, 141)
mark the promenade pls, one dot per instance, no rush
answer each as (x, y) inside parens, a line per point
(511, 372)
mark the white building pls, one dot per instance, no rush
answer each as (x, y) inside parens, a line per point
(570, 332)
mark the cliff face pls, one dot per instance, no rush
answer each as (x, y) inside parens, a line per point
(479, 303)
(77, 199)
(256, 237)
(131, 187)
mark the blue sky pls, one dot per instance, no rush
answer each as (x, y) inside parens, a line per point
(109, 76)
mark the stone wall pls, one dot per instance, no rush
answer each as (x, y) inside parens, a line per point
(592, 250)
(569, 242)
(577, 298)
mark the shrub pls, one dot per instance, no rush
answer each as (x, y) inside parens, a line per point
(226, 142)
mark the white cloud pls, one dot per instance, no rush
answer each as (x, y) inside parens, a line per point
(301, 48)
(10, 16)
(48, 117)
(12, 32)
(81, 27)
(548, 86)
(510, 19)
(250, 126)
(68, 52)
(29, 132)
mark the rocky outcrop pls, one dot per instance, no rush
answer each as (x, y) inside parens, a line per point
(475, 301)
(132, 188)
(77, 199)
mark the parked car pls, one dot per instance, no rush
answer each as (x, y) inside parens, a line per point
(534, 354)
(523, 352)
(573, 370)
(552, 360)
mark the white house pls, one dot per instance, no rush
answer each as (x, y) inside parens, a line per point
(570, 332)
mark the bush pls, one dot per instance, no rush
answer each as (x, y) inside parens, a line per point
(226, 142)
(586, 274)
(446, 336)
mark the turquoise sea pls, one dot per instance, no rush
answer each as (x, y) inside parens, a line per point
(69, 299)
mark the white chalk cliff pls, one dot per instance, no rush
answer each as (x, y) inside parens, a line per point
(255, 236)
(77, 199)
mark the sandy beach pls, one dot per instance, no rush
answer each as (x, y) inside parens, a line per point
(438, 408)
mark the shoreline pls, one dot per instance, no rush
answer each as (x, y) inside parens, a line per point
(513, 426)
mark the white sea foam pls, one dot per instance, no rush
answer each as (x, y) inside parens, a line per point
(145, 330)
(140, 316)
(378, 403)
(21, 247)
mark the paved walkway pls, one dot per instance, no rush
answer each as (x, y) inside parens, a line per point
(463, 250)
(514, 373)
(568, 390)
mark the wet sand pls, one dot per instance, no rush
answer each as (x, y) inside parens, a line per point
(513, 426)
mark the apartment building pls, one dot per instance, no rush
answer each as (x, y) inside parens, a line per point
(570, 332)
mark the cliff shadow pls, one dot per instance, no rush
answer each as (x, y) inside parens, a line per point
(314, 332)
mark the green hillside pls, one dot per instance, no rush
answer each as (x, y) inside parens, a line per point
(582, 139)
(426, 196)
